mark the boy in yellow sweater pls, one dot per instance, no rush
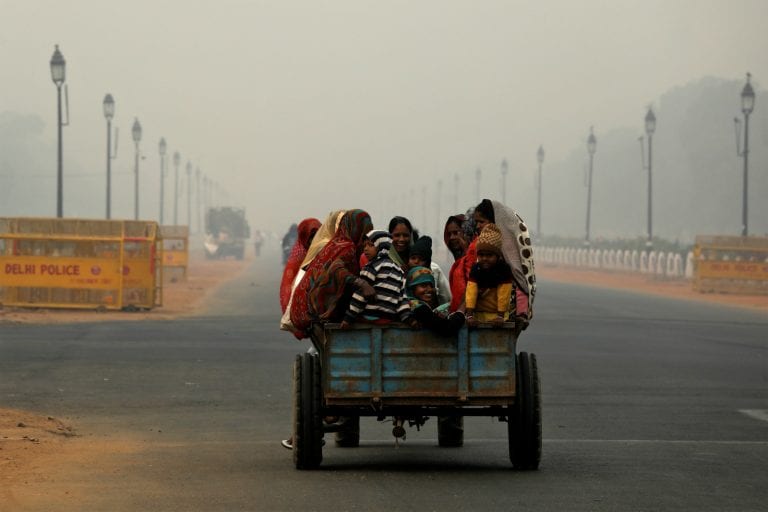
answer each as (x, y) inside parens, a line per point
(490, 285)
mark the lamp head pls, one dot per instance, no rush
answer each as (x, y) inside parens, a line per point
(176, 158)
(591, 141)
(650, 122)
(109, 107)
(136, 130)
(748, 97)
(58, 67)
(162, 146)
(540, 155)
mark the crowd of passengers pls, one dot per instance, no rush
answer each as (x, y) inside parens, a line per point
(343, 270)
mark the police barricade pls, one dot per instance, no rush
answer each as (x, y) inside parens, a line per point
(142, 265)
(731, 264)
(75, 263)
(175, 250)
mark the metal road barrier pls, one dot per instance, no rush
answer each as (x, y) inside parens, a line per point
(175, 249)
(76, 263)
(731, 264)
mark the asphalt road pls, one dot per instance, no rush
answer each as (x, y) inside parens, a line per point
(644, 402)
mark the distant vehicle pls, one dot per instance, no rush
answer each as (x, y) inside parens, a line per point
(288, 240)
(226, 232)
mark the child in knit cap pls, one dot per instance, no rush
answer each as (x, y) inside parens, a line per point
(420, 285)
(490, 284)
(421, 256)
(387, 279)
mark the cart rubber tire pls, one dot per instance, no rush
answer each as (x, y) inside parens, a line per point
(524, 420)
(450, 431)
(349, 437)
(307, 423)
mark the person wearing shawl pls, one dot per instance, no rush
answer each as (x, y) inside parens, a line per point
(516, 250)
(421, 256)
(420, 285)
(323, 236)
(386, 277)
(456, 241)
(306, 232)
(331, 276)
(401, 231)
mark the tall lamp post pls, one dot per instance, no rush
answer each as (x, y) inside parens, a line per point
(747, 106)
(591, 148)
(161, 149)
(504, 171)
(478, 177)
(58, 75)
(176, 162)
(197, 204)
(455, 193)
(189, 194)
(109, 113)
(136, 132)
(540, 159)
(650, 127)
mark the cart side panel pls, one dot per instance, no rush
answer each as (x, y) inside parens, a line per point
(395, 362)
(492, 362)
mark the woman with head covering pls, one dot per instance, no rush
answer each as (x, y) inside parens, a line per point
(401, 231)
(323, 236)
(324, 291)
(306, 232)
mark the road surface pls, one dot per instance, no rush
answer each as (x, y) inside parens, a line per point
(649, 404)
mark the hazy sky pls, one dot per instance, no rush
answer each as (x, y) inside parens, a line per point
(300, 107)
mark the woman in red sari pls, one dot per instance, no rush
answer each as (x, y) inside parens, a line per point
(332, 275)
(306, 232)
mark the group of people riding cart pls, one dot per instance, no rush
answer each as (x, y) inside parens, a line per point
(345, 271)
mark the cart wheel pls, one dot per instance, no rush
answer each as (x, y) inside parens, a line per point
(450, 431)
(524, 420)
(307, 423)
(349, 435)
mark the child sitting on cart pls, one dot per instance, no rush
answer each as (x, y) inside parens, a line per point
(421, 290)
(490, 284)
(387, 279)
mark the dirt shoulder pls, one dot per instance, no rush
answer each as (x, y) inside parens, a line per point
(643, 283)
(45, 463)
(181, 297)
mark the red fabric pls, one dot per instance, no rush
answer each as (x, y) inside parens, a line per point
(459, 275)
(521, 303)
(333, 270)
(307, 228)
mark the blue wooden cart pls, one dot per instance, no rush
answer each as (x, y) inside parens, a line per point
(411, 375)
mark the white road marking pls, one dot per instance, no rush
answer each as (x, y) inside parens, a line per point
(758, 414)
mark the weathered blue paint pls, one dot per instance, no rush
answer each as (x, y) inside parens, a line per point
(401, 366)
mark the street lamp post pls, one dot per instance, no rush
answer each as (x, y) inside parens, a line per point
(161, 149)
(197, 204)
(591, 147)
(504, 171)
(650, 127)
(455, 193)
(136, 132)
(478, 177)
(176, 162)
(540, 159)
(437, 200)
(747, 106)
(58, 75)
(189, 194)
(109, 113)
